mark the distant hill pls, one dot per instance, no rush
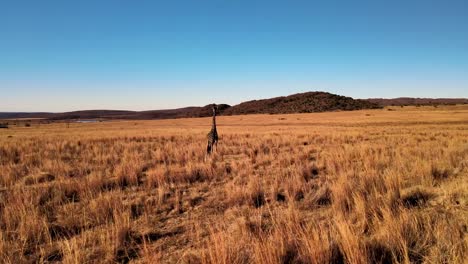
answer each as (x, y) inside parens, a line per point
(93, 114)
(186, 112)
(300, 103)
(417, 101)
(13, 115)
(119, 114)
(297, 103)
(182, 112)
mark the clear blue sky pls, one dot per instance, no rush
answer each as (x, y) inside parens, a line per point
(69, 55)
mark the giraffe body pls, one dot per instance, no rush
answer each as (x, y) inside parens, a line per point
(212, 135)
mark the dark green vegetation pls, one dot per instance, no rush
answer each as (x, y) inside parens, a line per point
(300, 103)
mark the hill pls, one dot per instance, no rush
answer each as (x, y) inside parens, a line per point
(182, 112)
(119, 114)
(297, 103)
(93, 114)
(185, 112)
(417, 101)
(300, 103)
(14, 115)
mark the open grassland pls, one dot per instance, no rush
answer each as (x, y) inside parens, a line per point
(346, 187)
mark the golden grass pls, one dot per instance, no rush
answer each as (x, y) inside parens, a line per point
(346, 187)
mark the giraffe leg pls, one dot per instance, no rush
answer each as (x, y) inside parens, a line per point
(209, 148)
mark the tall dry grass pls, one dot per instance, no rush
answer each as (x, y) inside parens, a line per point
(347, 187)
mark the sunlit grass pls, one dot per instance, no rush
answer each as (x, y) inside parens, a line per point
(354, 187)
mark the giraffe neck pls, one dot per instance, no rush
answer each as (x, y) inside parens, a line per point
(214, 121)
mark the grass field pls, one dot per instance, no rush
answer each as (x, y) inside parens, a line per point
(380, 186)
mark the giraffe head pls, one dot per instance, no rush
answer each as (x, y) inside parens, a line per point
(215, 108)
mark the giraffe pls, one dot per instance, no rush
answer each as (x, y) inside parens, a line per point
(213, 134)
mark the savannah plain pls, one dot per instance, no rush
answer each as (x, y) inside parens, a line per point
(370, 186)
